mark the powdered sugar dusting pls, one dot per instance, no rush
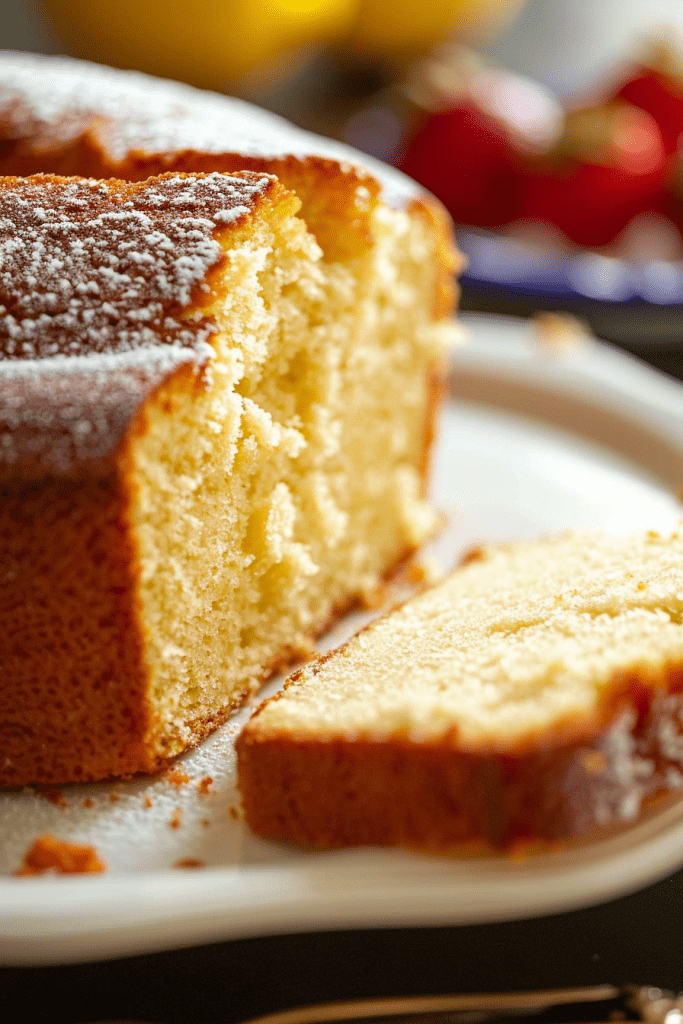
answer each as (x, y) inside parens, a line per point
(151, 115)
(98, 282)
(94, 267)
(70, 411)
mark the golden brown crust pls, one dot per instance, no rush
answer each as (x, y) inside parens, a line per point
(73, 704)
(30, 146)
(449, 260)
(337, 201)
(438, 796)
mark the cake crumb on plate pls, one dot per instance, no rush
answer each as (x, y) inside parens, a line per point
(56, 855)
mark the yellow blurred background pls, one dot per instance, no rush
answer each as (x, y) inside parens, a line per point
(221, 44)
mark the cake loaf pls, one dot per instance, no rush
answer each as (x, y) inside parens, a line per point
(535, 693)
(219, 372)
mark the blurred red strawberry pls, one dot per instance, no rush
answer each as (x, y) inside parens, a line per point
(609, 166)
(467, 160)
(662, 98)
(470, 153)
(655, 85)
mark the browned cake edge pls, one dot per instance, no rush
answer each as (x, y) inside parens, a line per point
(76, 707)
(442, 796)
(332, 205)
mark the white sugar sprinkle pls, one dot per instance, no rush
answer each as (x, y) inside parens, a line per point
(157, 116)
(93, 303)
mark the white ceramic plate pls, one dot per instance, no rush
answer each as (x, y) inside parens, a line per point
(600, 445)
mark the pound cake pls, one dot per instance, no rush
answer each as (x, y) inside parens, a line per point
(535, 693)
(218, 380)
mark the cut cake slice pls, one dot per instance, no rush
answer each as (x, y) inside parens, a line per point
(536, 692)
(212, 442)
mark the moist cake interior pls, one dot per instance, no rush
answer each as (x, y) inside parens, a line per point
(260, 497)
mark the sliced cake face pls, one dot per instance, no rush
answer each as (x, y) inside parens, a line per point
(267, 503)
(535, 693)
(101, 286)
(523, 643)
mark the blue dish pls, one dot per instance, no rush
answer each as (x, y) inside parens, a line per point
(638, 306)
